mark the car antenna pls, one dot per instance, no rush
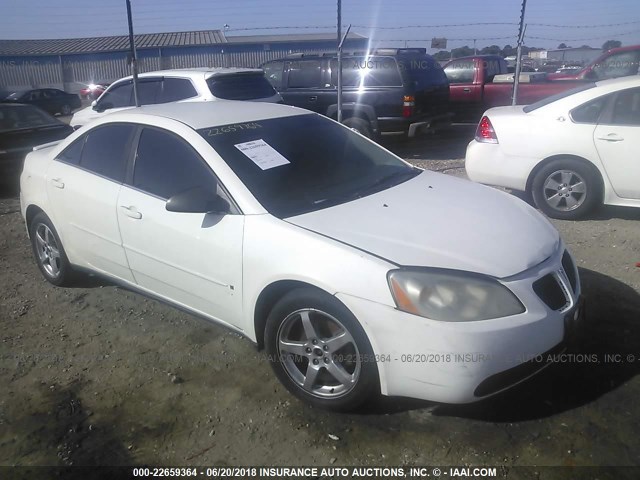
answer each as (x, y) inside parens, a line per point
(134, 57)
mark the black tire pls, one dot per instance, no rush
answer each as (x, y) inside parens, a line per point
(65, 110)
(359, 125)
(55, 267)
(331, 322)
(578, 189)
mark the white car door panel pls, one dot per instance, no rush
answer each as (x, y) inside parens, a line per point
(618, 144)
(83, 203)
(194, 259)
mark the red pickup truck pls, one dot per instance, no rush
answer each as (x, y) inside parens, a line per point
(480, 82)
(617, 62)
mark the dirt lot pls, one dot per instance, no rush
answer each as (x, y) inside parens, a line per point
(100, 375)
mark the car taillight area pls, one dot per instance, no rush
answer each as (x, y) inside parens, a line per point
(408, 105)
(485, 132)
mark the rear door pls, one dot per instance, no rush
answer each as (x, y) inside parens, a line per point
(305, 82)
(617, 139)
(83, 183)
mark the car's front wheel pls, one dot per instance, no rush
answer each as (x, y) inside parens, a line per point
(566, 189)
(50, 255)
(319, 351)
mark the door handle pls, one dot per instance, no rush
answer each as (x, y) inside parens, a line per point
(466, 90)
(313, 98)
(612, 137)
(131, 212)
(58, 183)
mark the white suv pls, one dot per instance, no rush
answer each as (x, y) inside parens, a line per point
(188, 85)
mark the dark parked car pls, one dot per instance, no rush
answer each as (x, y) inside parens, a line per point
(386, 91)
(51, 100)
(23, 127)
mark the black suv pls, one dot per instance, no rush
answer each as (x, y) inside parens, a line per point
(386, 91)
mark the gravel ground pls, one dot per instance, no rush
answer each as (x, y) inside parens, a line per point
(98, 375)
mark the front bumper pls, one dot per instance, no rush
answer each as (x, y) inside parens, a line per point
(452, 362)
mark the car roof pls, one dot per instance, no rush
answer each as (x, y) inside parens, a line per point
(199, 115)
(207, 72)
(620, 82)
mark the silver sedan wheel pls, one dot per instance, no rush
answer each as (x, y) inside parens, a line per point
(318, 353)
(48, 251)
(564, 190)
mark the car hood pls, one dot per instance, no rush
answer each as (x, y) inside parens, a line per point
(436, 220)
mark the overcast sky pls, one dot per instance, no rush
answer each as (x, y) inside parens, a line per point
(574, 22)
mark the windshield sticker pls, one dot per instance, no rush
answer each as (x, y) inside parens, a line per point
(212, 132)
(262, 154)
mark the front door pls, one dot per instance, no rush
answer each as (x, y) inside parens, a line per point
(194, 259)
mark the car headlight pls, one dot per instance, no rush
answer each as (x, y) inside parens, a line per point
(451, 295)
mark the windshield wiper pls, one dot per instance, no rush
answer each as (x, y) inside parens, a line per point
(373, 187)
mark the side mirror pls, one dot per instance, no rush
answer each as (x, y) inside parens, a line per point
(94, 104)
(198, 200)
(590, 75)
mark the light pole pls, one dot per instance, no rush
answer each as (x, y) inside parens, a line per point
(134, 56)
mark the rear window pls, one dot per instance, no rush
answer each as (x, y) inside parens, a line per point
(240, 87)
(558, 96)
(423, 70)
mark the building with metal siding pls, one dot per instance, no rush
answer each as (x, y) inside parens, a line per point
(71, 64)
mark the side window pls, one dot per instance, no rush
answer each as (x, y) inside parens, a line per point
(304, 74)
(461, 71)
(590, 111)
(174, 89)
(273, 73)
(106, 150)
(367, 72)
(73, 152)
(166, 165)
(626, 109)
(34, 95)
(618, 65)
(118, 97)
(148, 90)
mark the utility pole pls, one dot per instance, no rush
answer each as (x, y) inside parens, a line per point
(134, 56)
(516, 78)
(340, 45)
(340, 61)
(475, 50)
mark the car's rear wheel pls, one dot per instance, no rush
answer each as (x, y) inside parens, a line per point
(361, 126)
(65, 110)
(319, 351)
(50, 255)
(566, 189)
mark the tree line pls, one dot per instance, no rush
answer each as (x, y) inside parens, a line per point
(508, 50)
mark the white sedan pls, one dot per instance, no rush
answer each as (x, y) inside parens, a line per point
(571, 152)
(358, 273)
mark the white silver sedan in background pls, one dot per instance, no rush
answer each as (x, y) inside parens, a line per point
(358, 273)
(571, 152)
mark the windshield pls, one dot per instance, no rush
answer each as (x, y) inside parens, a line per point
(557, 96)
(15, 95)
(245, 86)
(14, 117)
(304, 163)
